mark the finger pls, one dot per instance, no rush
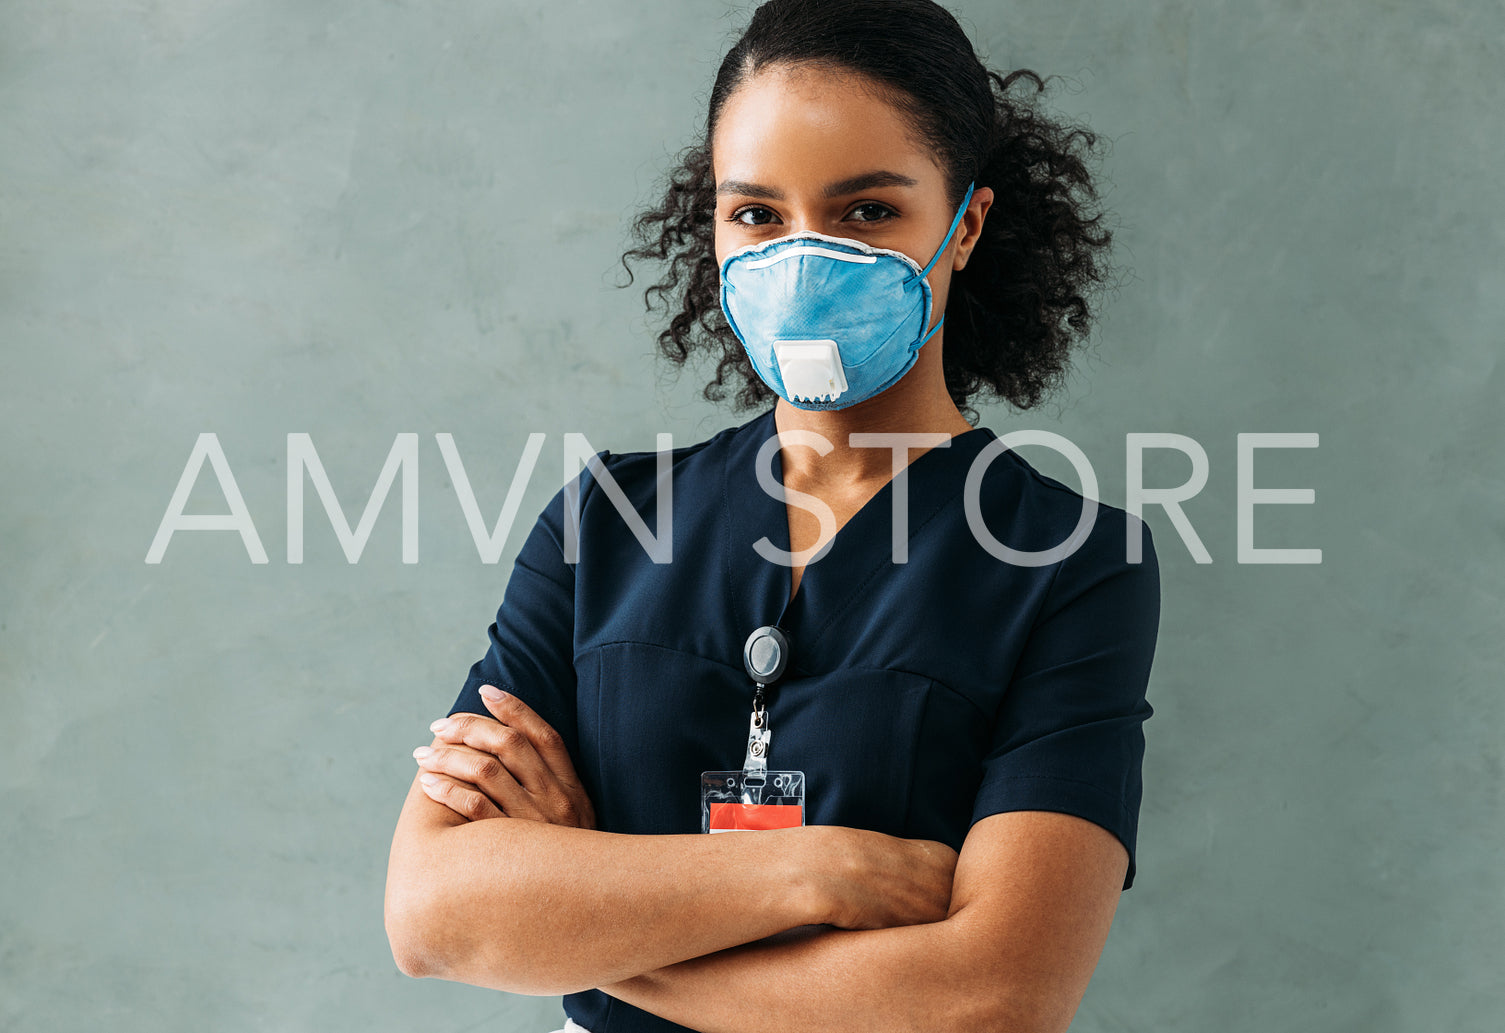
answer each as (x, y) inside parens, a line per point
(531, 790)
(511, 746)
(464, 800)
(546, 740)
(483, 771)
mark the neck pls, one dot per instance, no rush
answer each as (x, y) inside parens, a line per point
(917, 404)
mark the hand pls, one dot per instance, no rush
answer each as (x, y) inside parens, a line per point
(874, 881)
(513, 764)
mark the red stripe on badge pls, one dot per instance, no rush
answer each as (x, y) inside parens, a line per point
(726, 817)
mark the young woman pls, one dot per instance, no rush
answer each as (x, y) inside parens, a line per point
(861, 587)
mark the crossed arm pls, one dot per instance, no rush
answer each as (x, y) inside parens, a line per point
(1035, 893)
(699, 929)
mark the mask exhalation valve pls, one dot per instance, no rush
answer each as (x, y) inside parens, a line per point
(811, 370)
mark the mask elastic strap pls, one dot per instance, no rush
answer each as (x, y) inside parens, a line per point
(931, 332)
(954, 223)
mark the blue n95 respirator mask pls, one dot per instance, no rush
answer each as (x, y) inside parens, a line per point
(829, 321)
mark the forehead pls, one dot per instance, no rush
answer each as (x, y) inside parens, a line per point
(813, 120)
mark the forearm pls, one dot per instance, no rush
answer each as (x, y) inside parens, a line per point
(910, 978)
(534, 908)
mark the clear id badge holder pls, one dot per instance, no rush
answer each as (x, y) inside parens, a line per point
(756, 797)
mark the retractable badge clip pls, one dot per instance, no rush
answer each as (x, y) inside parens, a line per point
(756, 797)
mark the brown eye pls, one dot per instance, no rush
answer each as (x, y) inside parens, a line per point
(872, 211)
(754, 210)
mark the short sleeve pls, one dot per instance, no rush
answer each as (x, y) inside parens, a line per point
(1069, 734)
(531, 642)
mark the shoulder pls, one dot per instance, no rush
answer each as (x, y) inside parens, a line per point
(1014, 508)
(635, 476)
(626, 492)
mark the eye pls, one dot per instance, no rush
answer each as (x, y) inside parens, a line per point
(872, 211)
(754, 210)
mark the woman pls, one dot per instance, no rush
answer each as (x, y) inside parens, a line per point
(968, 727)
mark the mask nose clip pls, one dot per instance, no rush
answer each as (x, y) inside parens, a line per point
(811, 369)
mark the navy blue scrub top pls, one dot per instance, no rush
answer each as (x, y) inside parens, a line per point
(921, 696)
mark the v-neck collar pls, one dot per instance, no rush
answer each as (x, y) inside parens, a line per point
(758, 589)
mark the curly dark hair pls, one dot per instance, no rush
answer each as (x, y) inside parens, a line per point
(1017, 308)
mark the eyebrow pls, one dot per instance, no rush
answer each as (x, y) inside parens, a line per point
(865, 181)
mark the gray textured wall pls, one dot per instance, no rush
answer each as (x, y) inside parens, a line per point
(358, 219)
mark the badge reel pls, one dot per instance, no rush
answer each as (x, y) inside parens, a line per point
(755, 797)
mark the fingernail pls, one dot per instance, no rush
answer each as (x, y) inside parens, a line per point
(422, 751)
(429, 779)
(439, 725)
(493, 693)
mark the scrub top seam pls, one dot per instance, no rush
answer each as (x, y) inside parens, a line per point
(579, 654)
(575, 621)
(587, 487)
(1121, 808)
(1045, 480)
(915, 752)
(944, 685)
(1117, 798)
(537, 572)
(933, 679)
(1033, 625)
